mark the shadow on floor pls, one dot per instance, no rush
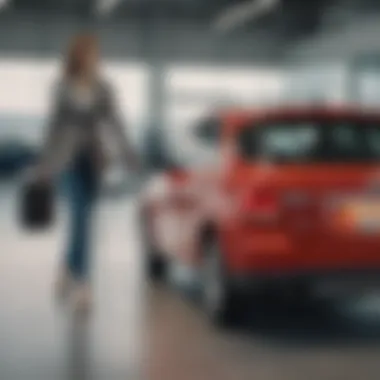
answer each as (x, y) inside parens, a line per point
(311, 322)
(78, 363)
(303, 322)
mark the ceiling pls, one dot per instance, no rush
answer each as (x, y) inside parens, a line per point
(287, 23)
(180, 9)
(290, 16)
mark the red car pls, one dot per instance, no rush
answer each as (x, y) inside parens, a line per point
(291, 199)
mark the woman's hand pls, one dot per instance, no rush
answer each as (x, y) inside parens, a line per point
(38, 174)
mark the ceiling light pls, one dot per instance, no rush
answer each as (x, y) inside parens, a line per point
(4, 3)
(104, 7)
(240, 14)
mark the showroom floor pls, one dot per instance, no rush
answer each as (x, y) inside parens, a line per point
(157, 333)
(42, 339)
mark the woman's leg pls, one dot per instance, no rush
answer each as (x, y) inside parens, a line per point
(81, 201)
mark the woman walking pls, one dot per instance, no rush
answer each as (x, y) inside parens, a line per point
(83, 106)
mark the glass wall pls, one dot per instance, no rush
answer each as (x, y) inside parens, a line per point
(193, 93)
(316, 84)
(26, 93)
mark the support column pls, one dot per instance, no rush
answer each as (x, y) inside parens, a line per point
(154, 140)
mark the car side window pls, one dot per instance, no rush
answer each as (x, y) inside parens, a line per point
(248, 142)
(299, 140)
(373, 139)
(292, 140)
(346, 140)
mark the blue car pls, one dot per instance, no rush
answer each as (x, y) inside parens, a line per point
(15, 156)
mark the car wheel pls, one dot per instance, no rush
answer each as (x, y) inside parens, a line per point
(298, 293)
(155, 265)
(219, 298)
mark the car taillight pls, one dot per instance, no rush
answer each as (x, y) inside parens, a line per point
(261, 203)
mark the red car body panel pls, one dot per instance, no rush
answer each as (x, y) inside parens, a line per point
(309, 229)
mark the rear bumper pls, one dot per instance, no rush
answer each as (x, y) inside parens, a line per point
(274, 255)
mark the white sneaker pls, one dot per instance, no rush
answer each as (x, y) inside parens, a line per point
(82, 298)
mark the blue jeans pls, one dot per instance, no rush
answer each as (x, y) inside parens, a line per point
(82, 190)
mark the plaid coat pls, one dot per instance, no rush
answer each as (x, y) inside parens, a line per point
(74, 127)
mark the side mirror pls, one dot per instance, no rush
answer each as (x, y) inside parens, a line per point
(208, 131)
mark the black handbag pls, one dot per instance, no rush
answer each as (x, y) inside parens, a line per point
(37, 205)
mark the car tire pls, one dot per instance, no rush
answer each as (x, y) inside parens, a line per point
(155, 264)
(298, 293)
(220, 300)
(155, 267)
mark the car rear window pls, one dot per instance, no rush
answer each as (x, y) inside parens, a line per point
(312, 141)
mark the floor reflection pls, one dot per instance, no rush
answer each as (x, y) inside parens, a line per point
(276, 339)
(78, 349)
(41, 339)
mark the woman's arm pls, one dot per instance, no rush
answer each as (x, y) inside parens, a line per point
(120, 133)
